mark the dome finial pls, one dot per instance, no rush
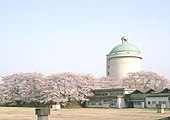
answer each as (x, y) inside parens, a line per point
(124, 40)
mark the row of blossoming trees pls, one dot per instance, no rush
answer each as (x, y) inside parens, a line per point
(26, 88)
(35, 87)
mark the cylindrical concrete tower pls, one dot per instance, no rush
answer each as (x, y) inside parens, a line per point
(123, 58)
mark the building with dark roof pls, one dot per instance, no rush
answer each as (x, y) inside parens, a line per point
(128, 98)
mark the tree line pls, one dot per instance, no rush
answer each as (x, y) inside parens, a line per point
(27, 88)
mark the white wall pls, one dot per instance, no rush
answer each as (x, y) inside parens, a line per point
(157, 100)
(93, 104)
(120, 66)
(120, 102)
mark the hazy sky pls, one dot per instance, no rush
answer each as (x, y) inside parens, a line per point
(52, 36)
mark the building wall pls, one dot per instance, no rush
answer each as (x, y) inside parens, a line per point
(139, 104)
(120, 98)
(120, 102)
(93, 104)
(112, 103)
(115, 98)
(152, 101)
(138, 96)
(118, 67)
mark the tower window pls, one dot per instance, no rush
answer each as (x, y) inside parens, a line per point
(107, 73)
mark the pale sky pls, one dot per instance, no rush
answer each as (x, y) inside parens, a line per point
(53, 36)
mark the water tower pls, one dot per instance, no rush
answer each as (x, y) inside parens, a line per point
(122, 59)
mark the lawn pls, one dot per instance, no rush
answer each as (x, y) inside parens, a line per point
(16, 113)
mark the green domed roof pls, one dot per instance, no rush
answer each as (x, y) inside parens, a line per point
(125, 47)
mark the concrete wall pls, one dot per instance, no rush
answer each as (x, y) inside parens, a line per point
(139, 104)
(120, 102)
(92, 104)
(112, 103)
(152, 101)
(118, 67)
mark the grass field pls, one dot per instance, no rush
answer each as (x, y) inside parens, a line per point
(14, 113)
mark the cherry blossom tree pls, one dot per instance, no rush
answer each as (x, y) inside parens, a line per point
(24, 87)
(60, 87)
(145, 80)
(76, 86)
